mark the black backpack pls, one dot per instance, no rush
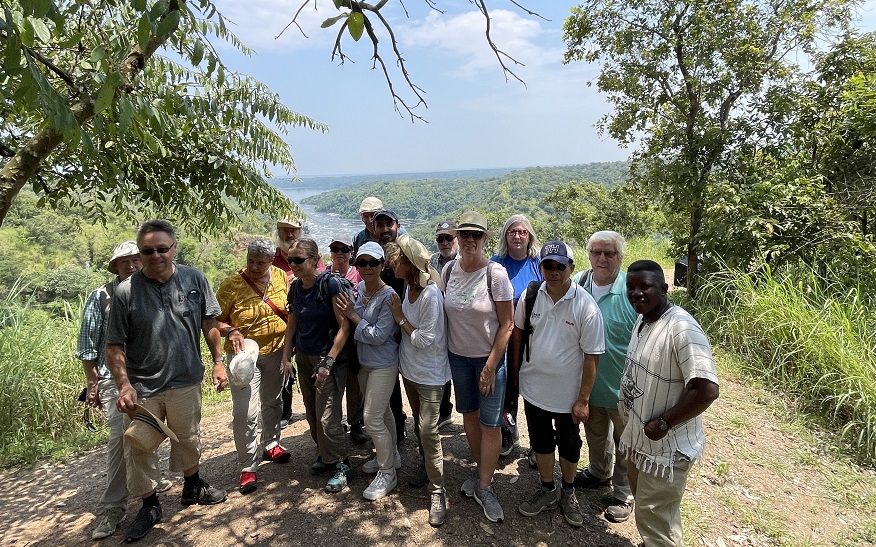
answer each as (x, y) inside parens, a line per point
(528, 304)
(322, 281)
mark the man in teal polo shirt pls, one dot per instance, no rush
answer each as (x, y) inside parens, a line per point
(607, 284)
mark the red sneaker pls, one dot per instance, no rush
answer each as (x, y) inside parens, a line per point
(277, 454)
(247, 482)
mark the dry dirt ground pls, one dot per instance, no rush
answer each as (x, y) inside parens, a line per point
(762, 482)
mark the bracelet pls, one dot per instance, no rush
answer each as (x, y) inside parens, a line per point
(227, 334)
(402, 322)
(328, 363)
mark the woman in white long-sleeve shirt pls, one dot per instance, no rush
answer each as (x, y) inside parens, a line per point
(423, 360)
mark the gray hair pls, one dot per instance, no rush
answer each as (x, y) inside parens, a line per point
(607, 236)
(533, 244)
(156, 225)
(261, 246)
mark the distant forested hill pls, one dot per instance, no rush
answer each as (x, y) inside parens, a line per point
(523, 191)
(327, 183)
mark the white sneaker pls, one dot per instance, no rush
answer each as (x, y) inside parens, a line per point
(371, 466)
(384, 483)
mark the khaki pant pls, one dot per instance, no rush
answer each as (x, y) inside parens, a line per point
(425, 404)
(116, 493)
(377, 385)
(181, 409)
(261, 398)
(603, 430)
(323, 407)
(658, 505)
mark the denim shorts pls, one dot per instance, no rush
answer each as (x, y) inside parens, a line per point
(466, 373)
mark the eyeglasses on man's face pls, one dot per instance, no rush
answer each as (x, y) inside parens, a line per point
(470, 234)
(444, 238)
(606, 254)
(160, 250)
(362, 263)
(550, 266)
(340, 249)
(299, 260)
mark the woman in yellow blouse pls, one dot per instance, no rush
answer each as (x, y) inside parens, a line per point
(253, 304)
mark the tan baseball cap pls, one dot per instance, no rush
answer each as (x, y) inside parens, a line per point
(370, 204)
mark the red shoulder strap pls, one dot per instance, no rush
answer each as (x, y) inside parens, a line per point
(280, 313)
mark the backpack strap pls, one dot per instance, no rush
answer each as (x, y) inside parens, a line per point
(585, 276)
(448, 268)
(528, 305)
(490, 266)
(106, 296)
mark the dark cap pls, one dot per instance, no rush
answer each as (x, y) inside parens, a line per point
(446, 227)
(384, 213)
(557, 251)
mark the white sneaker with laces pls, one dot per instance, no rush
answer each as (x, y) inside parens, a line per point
(371, 466)
(384, 483)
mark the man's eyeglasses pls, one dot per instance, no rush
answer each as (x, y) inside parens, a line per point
(298, 260)
(519, 233)
(606, 254)
(368, 263)
(470, 234)
(550, 266)
(340, 249)
(444, 238)
(159, 250)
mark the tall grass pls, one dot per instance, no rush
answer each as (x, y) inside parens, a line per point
(807, 337)
(40, 380)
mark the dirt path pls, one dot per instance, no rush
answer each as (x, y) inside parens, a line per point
(761, 483)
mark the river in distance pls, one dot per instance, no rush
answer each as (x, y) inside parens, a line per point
(324, 226)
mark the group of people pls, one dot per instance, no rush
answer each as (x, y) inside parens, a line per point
(604, 349)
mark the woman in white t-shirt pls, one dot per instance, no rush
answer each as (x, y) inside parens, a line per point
(422, 359)
(479, 324)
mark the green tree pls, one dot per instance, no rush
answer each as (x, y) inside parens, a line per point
(682, 77)
(128, 104)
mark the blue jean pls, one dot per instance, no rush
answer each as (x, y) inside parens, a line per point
(466, 373)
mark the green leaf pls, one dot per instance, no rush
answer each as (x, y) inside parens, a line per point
(139, 5)
(356, 24)
(332, 20)
(144, 32)
(168, 24)
(339, 3)
(104, 96)
(158, 9)
(26, 33)
(198, 52)
(41, 30)
(98, 54)
(40, 7)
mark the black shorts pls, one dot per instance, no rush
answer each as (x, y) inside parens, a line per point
(549, 430)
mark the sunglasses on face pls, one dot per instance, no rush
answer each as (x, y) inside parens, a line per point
(520, 233)
(469, 234)
(298, 260)
(606, 254)
(550, 266)
(369, 263)
(444, 238)
(159, 250)
(340, 249)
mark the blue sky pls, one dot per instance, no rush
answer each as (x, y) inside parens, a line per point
(476, 118)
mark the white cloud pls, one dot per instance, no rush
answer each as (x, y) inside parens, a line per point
(258, 23)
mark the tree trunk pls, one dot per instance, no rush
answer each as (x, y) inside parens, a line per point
(696, 222)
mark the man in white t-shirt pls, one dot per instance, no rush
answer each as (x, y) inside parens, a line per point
(555, 375)
(669, 380)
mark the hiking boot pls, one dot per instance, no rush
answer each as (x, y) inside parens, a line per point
(508, 441)
(357, 435)
(569, 507)
(585, 479)
(276, 454)
(420, 478)
(203, 494)
(108, 522)
(147, 517)
(248, 482)
(539, 501)
(163, 485)
(438, 509)
(384, 483)
(343, 475)
(618, 510)
(445, 420)
(471, 483)
(319, 467)
(285, 421)
(371, 466)
(487, 499)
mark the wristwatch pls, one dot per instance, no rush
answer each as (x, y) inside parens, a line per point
(661, 424)
(402, 322)
(328, 363)
(220, 359)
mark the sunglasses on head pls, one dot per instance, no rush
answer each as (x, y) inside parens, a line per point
(550, 266)
(298, 260)
(159, 250)
(361, 263)
(470, 234)
(444, 238)
(340, 249)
